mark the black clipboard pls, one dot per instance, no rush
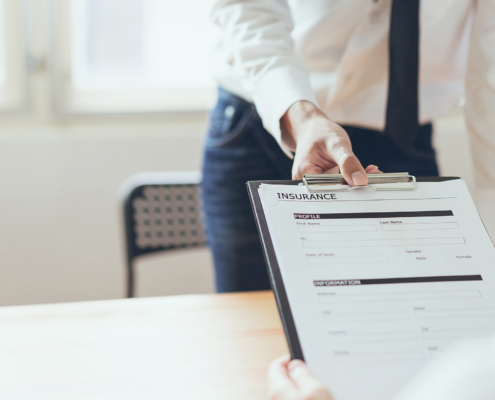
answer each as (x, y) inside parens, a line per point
(273, 268)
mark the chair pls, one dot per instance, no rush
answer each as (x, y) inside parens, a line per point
(162, 211)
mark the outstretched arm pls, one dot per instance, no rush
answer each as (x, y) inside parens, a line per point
(257, 37)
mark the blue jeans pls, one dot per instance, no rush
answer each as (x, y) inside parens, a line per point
(238, 149)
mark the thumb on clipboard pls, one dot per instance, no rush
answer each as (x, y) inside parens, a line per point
(322, 146)
(293, 380)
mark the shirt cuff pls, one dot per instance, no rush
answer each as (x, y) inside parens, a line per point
(275, 92)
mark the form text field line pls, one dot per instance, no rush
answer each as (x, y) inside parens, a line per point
(382, 242)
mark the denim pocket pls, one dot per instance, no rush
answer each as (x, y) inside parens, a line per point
(228, 122)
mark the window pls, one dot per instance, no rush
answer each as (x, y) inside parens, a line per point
(116, 56)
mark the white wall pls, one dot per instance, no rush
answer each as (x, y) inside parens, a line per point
(60, 227)
(60, 216)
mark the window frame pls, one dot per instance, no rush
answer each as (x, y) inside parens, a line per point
(15, 92)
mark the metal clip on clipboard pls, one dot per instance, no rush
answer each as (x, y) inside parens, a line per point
(337, 183)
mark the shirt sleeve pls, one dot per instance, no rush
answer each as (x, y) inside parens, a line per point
(480, 106)
(257, 37)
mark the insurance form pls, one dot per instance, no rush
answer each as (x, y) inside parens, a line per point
(381, 282)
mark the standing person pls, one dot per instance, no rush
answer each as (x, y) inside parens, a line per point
(340, 84)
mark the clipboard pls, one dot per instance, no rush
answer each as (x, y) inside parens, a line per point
(273, 268)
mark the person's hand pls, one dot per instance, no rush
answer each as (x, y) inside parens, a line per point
(322, 146)
(292, 380)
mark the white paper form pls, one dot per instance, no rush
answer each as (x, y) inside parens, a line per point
(381, 282)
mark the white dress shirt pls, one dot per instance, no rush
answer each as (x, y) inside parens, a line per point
(334, 53)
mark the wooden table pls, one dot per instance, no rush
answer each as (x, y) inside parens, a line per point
(182, 347)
